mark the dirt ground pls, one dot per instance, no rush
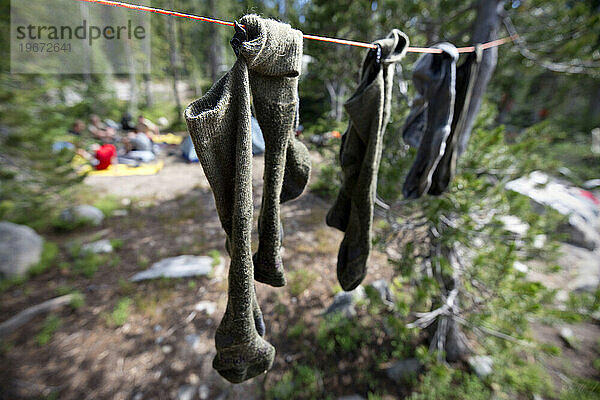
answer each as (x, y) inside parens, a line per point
(165, 344)
(153, 354)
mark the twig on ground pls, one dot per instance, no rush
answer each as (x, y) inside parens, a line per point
(29, 313)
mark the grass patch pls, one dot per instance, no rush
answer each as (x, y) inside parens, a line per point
(581, 389)
(216, 257)
(338, 334)
(302, 382)
(120, 313)
(301, 280)
(47, 260)
(296, 330)
(51, 325)
(117, 244)
(108, 205)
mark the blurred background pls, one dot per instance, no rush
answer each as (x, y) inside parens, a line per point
(99, 183)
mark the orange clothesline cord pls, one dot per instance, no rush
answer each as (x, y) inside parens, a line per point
(311, 37)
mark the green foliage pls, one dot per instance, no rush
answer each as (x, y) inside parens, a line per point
(300, 382)
(86, 263)
(78, 300)
(108, 204)
(444, 383)
(117, 244)
(216, 256)
(51, 325)
(297, 330)
(49, 254)
(581, 389)
(47, 260)
(300, 280)
(338, 334)
(120, 313)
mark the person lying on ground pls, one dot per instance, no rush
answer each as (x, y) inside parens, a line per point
(145, 125)
(100, 130)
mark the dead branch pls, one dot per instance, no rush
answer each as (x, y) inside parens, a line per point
(29, 313)
(571, 67)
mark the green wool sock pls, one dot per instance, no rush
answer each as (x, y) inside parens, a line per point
(219, 124)
(273, 53)
(360, 154)
(297, 170)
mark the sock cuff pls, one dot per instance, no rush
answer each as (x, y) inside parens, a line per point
(273, 48)
(206, 117)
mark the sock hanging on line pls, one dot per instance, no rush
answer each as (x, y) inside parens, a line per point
(428, 124)
(219, 124)
(274, 56)
(466, 74)
(360, 154)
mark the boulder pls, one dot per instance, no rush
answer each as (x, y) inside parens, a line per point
(82, 214)
(186, 392)
(100, 246)
(344, 302)
(208, 307)
(20, 249)
(383, 291)
(402, 370)
(580, 206)
(481, 365)
(177, 267)
(514, 225)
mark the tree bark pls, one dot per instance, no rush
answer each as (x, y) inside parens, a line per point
(148, 89)
(216, 47)
(486, 27)
(173, 59)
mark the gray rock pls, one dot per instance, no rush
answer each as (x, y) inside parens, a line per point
(514, 225)
(383, 289)
(567, 335)
(82, 214)
(402, 370)
(120, 213)
(186, 392)
(208, 307)
(203, 392)
(20, 249)
(519, 266)
(193, 340)
(583, 214)
(100, 246)
(177, 267)
(481, 365)
(344, 302)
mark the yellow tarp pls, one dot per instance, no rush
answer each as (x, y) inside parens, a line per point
(124, 170)
(168, 138)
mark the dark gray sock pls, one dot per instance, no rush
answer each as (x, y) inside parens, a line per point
(466, 74)
(428, 124)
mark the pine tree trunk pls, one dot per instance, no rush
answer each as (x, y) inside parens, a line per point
(173, 59)
(148, 90)
(485, 29)
(216, 47)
